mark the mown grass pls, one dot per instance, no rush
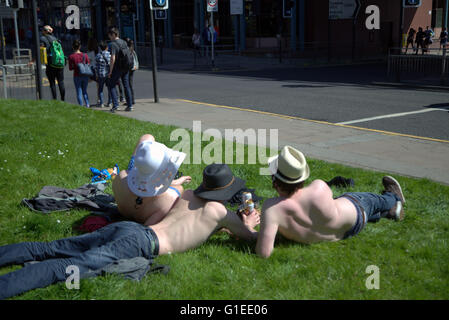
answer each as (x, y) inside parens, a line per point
(52, 143)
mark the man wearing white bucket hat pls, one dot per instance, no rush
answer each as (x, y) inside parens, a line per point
(311, 214)
(147, 190)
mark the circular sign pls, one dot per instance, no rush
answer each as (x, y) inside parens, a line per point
(212, 3)
(161, 2)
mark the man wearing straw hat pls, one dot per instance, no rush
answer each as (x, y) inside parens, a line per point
(311, 214)
(147, 190)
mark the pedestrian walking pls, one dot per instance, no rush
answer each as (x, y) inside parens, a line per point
(121, 64)
(428, 38)
(103, 61)
(443, 39)
(420, 35)
(92, 51)
(411, 39)
(196, 42)
(56, 61)
(135, 67)
(81, 80)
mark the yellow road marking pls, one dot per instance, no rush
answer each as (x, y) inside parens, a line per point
(314, 121)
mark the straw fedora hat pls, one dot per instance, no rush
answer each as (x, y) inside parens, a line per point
(290, 166)
(155, 167)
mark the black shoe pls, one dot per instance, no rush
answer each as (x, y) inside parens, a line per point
(129, 109)
(341, 182)
(113, 110)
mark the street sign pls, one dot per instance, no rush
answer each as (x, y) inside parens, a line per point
(236, 6)
(343, 9)
(160, 14)
(6, 12)
(158, 4)
(212, 5)
(411, 3)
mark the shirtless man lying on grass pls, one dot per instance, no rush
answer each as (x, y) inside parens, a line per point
(146, 191)
(193, 219)
(311, 214)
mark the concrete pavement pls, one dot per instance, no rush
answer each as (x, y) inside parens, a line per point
(356, 147)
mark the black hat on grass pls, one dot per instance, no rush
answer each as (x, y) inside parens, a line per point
(219, 183)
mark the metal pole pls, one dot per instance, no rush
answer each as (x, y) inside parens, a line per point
(153, 54)
(3, 40)
(446, 14)
(16, 28)
(37, 46)
(212, 33)
(401, 26)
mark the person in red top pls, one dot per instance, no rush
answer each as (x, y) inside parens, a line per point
(81, 82)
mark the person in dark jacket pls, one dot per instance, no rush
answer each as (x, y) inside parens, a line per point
(52, 73)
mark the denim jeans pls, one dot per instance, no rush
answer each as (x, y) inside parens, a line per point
(370, 207)
(115, 76)
(89, 252)
(81, 89)
(101, 83)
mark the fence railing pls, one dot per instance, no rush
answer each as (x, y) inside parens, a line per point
(18, 81)
(428, 64)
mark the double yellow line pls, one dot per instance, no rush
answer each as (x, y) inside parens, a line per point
(271, 114)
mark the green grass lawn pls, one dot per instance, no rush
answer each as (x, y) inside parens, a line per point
(52, 143)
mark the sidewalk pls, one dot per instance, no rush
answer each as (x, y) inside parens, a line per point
(378, 151)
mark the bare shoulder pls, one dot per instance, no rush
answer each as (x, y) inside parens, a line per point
(215, 209)
(317, 189)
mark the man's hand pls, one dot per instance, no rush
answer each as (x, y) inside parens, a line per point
(251, 220)
(182, 180)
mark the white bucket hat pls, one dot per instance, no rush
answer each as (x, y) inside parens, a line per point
(290, 166)
(155, 167)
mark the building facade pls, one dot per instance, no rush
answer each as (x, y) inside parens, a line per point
(308, 30)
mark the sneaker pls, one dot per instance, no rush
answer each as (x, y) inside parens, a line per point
(129, 109)
(392, 185)
(101, 105)
(113, 110)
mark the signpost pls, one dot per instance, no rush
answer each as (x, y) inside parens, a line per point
(212, 6)
(343, 9)
(236, 7)
(155, 5)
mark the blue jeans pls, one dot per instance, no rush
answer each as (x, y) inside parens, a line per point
(370, 207)
(101, 84)
(115, 76)
(92, 251)
(81, 89)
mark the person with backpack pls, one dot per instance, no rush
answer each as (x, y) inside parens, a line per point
(56, 61)
(103, 60)
(79, 62)
(121, 64)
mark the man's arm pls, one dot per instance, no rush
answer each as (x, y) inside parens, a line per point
(268, 230)
(111, 65)
(241, 229)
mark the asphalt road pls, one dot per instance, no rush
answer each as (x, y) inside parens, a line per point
(332, 94)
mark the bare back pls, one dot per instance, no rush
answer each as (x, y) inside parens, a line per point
(310, 215)
(192, 221)
(150, 211)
